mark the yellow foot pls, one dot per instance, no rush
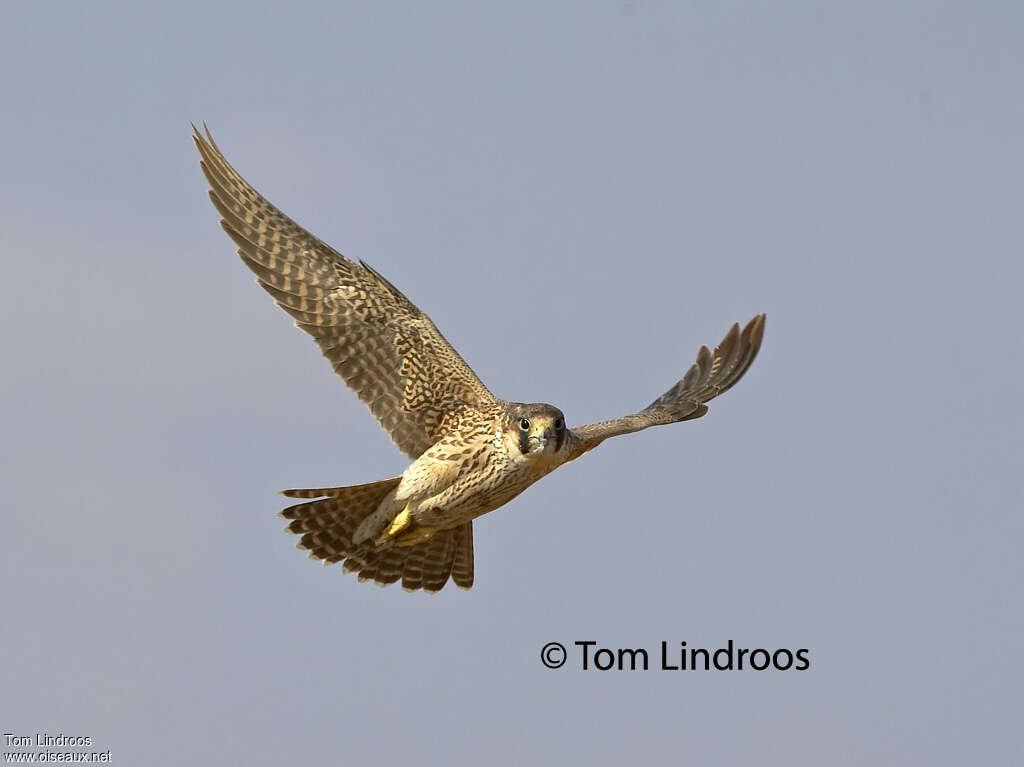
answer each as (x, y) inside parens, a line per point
(403, 531)
(416, 535)
(400, 523)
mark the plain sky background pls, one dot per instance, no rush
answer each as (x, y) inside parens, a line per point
(579, 194)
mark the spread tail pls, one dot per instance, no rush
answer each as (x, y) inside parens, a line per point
(328, 524)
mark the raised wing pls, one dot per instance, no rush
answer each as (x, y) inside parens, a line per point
(709, 376)
(387, 350)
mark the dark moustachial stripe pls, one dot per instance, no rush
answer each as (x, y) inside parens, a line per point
(524, 441)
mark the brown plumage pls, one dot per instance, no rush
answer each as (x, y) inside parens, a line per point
(472, 451)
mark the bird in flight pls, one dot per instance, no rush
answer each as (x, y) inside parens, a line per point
(472, 452)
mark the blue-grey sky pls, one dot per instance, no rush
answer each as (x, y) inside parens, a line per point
(580, 195)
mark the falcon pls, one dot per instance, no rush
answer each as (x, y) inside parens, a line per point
(472, 451)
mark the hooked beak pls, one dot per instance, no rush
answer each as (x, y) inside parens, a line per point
(550, 438)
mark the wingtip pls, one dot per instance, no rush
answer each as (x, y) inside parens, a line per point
(203, 138)
(757, 328)
(202, 141)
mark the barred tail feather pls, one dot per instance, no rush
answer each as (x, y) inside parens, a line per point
(328, 524)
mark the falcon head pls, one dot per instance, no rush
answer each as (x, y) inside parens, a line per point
(536, 428)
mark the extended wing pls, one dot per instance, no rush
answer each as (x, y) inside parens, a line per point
(709, 376)
(387, 350)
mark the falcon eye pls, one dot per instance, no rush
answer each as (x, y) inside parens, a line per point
(524, 424)
(559, 423)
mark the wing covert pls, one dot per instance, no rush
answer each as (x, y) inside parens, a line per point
(387, 350)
